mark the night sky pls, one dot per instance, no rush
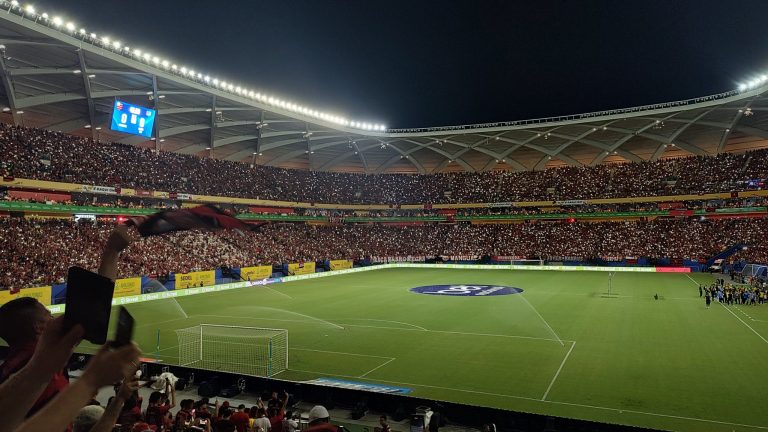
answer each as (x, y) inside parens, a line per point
(430, 63)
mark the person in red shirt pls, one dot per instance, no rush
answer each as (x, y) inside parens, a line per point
(240, 419)
(184, 417)
(276, 415)
(159, 407)
(22, 321)
(320, 420)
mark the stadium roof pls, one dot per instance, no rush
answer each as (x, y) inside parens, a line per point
(58, 76)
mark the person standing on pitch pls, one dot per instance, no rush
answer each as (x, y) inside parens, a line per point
(708, 299)
(701, 291)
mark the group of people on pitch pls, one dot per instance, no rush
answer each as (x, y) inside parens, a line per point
(733, 294)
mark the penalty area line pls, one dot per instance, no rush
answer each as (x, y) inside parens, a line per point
(554, 378)
(378, 367)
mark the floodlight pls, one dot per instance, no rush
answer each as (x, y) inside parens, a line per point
(71, 26)
(57, 21)
(29, 9)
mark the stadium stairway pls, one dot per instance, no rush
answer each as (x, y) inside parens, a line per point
(725, 254)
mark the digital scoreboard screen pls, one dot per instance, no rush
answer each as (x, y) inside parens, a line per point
(132, 119)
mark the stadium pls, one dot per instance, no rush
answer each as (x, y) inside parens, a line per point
(598, 271)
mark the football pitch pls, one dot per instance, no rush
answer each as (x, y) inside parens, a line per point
(561, 347)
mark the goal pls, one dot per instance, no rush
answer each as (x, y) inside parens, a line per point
(527, 262)
(250, 351)
(757, 271)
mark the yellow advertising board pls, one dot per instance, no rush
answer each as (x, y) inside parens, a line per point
(42, 294)
(341, 264)
(127, 287)
(255, 273)
(195, 279)
(301, 268)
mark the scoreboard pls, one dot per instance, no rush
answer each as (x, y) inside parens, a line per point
(133, 119)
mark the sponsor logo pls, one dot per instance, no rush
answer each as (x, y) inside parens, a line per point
(466, 290)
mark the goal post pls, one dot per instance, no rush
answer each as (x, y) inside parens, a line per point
(758, 271)
(252, 351)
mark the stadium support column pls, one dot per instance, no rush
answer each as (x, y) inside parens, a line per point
(212, 136)
(9, 89)
(259, 128)
(156, 132)
(87, 86)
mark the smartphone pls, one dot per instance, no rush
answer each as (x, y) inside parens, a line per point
(89, 303)
(124, 332)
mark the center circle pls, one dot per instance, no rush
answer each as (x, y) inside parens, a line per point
(466, 290)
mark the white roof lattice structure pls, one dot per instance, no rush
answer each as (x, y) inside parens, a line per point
(61, 78)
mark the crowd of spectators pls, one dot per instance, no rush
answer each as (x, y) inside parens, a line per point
(39, 252)
(39, 154)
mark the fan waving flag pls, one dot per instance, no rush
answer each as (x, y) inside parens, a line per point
(202, 217)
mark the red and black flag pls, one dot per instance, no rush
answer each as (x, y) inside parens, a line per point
(202, 217)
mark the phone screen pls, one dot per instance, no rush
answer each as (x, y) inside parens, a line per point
(124, 333)
(89, 303)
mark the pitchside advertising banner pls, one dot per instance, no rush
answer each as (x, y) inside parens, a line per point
(42, 294)
(301, 268)
(195, 279)
(127, 287)
(255, 273)
(341, 264)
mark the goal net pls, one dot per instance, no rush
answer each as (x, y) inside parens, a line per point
(758, 271)
(244, 350)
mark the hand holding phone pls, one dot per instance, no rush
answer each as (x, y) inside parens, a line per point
(125, 324)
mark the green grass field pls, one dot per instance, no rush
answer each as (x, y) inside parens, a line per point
(668, 363)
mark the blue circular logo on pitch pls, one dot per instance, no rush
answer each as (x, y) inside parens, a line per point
(466, 290)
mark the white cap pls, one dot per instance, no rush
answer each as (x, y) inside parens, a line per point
(318, 412)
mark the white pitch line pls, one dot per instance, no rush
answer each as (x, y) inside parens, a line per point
(378, 367)
(554, 378)
(743, 322)
(278, 292)
(542, 319)
(339, 352)
(692, 279)
(460, 333)
(386, 321)
(618, 410)
(380, 327)
(160, 322)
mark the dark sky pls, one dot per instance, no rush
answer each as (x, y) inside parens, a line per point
(430, 63)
